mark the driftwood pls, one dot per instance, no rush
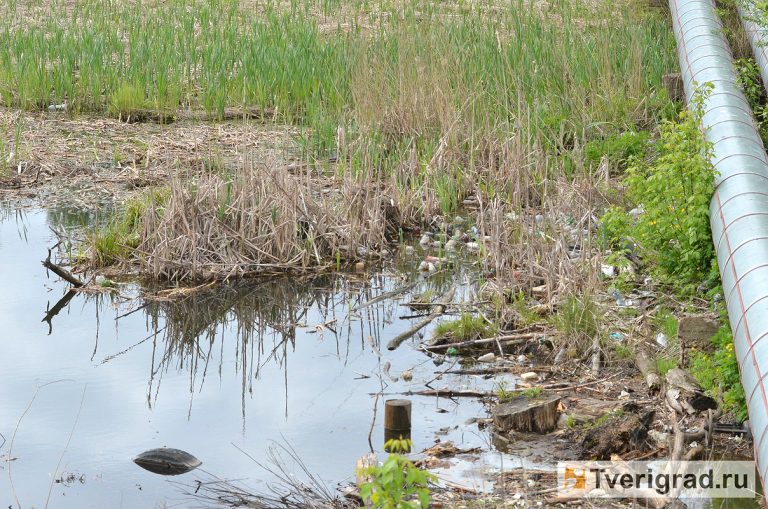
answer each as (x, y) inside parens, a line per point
(451, 393)
(512, 339)
(386, 296)
(597, 355)
(61, 272)
(538, 415)
(648, 368)
(437, 311)
(684, 393)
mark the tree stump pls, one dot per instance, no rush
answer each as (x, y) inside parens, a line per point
(673, 83)
(397, 420)
(397, 414)
(536, 415)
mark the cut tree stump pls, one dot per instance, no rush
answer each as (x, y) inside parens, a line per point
(537, 415)
(673, 82)
(397, 414)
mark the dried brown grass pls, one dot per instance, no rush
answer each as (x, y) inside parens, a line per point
(262, 219)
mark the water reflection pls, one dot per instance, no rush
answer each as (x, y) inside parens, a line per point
(239, 363)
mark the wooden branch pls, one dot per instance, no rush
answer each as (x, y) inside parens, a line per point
(648, 368)
(61, 272)
(439, 309)
(386, 296)
(511, 339)
(450, 393)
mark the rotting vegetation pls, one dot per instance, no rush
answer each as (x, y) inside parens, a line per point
(547, 129)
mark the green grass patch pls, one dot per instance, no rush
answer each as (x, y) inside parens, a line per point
(122, 234)
(577, 317)
(718, 373)
(466, 328)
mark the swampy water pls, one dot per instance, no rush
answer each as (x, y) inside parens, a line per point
(236, 369)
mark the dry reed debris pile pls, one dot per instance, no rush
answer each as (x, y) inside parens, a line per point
(261, 219)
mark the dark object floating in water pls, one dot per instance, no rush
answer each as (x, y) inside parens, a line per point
(167, 461)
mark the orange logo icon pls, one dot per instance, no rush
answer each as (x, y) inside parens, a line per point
(578, 475)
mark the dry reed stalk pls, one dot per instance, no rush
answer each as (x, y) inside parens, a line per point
(261, 219)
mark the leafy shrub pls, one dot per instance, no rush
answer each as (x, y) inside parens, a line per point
(398, 483)
(674, 191)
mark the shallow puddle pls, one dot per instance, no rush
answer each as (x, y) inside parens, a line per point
(241, 367)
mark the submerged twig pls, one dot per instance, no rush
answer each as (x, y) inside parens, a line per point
(441, 305)
(386, 296)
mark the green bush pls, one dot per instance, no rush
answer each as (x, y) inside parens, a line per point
(398, 483)
(674, 191)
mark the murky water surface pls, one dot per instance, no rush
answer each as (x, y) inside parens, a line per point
(236, 368)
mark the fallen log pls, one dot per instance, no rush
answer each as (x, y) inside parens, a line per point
(451, 393)
(439, 309)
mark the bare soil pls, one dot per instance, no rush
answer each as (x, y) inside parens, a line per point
(93, 161)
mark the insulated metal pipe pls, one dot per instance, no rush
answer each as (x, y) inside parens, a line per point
(739, 207)
(758, 37)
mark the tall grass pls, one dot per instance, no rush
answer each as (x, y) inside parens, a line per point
(412, 69)
(439, 103)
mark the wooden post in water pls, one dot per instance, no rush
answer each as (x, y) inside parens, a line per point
(397, 420)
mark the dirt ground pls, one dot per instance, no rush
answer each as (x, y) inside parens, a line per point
(53, 159)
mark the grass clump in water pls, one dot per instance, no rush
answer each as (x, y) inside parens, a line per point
(466, 328)
(116, 240)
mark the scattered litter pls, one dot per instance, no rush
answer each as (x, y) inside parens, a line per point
(620, 300)
(661, 339)
(636, 212)
(608, 271)
(616, 336)
(452, 352)
(407, 375)
(529, 376)
(522, 358)
(489, 357)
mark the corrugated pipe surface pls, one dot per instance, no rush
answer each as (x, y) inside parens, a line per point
(739, 207)
(758, 37)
